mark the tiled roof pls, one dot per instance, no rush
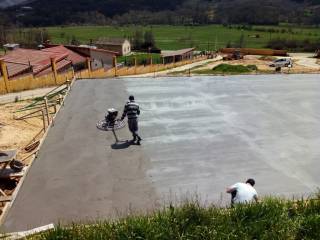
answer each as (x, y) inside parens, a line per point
(74, 57)
(60, 65)
(20, 59)
(176, 53)
(38, 62)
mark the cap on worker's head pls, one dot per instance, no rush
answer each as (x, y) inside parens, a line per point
(131, 97)
(251, 181)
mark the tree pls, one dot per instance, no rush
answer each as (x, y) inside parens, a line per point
(137, 39)
(74, 41)
(149, 41)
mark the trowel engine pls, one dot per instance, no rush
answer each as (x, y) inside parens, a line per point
(111, 122)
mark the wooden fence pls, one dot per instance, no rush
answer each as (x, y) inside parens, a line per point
(31, 82)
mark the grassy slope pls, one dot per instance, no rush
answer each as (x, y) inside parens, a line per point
(176, 37)
(270, 219)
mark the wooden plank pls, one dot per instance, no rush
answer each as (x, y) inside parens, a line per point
(3, 193)
(5, 199)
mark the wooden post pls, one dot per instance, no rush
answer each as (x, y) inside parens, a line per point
(4, 73)
(60, 99)
(115, 65)
(135, 65)
(47, 109)
(54, 69)
(43, 120)
(89, 66)
(68, 82)
(73, 73)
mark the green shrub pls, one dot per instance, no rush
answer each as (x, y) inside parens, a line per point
(252, 67)
(226, 68)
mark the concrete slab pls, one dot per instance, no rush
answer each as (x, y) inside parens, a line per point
(200, 134)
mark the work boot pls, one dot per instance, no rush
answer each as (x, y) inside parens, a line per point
(139, 140)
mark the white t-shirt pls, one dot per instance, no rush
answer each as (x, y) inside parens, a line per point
(245, 193)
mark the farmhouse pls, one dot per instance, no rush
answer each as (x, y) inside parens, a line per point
(119, 45)
(98, 57)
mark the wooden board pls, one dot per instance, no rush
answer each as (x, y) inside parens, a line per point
(5, 199)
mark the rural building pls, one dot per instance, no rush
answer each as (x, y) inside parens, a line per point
(177, 56)
(27, 61)
(99, 57)
(77, 60)
(119, 45)
(38, 62)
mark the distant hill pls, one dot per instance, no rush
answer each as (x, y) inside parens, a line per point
(190, 12)
(10, 3)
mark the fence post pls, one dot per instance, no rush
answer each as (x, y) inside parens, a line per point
(47, 109)
(135, 65)
(3, 70)
(43, 120)
(115, 65)
(54, 69)
(89, 67)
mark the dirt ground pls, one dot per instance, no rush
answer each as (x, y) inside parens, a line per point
(302, 63)
(17, 134)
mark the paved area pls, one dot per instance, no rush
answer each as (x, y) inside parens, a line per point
(177, 69)
(200, 134)
(306, 60)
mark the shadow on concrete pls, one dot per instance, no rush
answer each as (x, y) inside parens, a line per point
(122, 144)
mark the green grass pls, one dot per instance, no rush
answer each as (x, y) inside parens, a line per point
(142, 58)
(210, 37)
(228, 69)
(270, 219)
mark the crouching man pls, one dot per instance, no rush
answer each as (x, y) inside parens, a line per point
(243, 192)
(132, 110)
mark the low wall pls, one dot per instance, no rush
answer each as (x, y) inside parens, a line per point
(255, 51)
(31, 82)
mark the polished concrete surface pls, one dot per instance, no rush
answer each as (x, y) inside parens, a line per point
(200, 135)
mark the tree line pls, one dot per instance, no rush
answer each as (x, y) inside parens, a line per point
(173, 12)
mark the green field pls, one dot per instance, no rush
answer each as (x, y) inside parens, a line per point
(210, 37)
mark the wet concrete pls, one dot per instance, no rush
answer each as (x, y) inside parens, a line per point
(200, 135)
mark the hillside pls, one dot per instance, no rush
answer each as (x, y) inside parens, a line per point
(173, 12)
(9, 3)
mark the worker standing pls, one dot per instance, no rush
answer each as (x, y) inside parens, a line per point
(132, 110)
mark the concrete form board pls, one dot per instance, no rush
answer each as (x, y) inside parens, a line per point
(200, 134)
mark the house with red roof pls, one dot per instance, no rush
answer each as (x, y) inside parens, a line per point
(38, 62)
